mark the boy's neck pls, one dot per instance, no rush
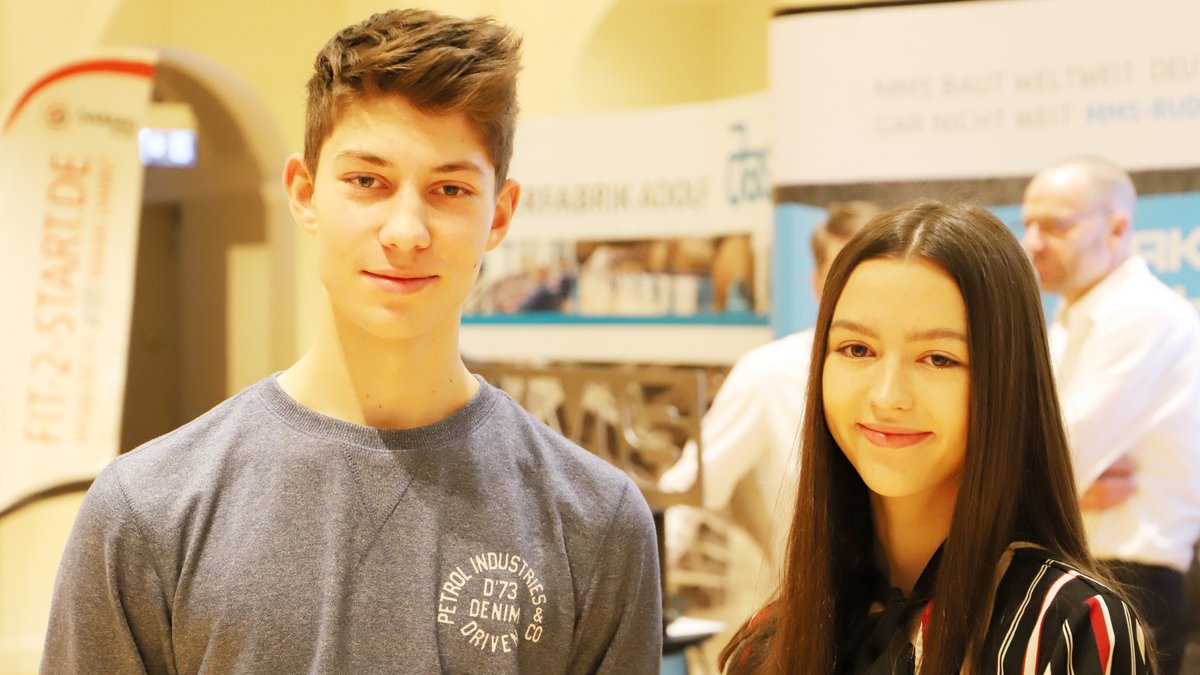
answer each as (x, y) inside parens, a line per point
(389, 384)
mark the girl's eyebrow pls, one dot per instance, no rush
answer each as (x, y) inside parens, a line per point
(854, 326)
(919, 336)
(936, 334)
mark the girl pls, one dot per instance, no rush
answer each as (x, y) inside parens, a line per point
(937, 528)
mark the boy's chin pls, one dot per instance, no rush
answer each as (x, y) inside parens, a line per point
(407, 328)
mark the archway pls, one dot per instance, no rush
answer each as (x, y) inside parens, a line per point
(214, 308)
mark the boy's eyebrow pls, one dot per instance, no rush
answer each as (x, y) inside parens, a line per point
(449, 167)
(919, 336)
(364, 156)
(464, 165)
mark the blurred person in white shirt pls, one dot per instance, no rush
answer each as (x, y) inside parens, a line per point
(1127, 354)
(748, 436)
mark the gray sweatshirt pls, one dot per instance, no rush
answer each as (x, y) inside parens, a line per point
(265, 537)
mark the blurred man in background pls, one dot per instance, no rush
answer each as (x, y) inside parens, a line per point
(1127, 354)
(749, 433)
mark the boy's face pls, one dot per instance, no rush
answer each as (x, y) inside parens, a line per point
(403, 206)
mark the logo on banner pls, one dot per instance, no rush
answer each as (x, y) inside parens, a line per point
(57, 115)
(1169, 249)
(746, 178)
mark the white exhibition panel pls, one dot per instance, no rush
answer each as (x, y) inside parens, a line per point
(982, 89)
(658, 344)
(70, 197)
(681, 171)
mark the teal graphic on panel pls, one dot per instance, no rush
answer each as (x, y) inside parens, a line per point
(793, 303)
(1166, 234)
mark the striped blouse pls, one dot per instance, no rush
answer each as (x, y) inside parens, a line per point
(1047, 618)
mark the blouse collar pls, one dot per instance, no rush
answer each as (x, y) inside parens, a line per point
(882, 640)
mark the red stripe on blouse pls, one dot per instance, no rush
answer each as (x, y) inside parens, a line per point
(1101, 631)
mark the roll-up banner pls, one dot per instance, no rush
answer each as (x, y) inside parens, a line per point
(70, 196)
(967, 100)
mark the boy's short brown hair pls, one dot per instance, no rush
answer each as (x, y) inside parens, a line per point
(440, 64)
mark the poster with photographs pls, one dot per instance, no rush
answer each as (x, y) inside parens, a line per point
(686, 277)
(658, 215)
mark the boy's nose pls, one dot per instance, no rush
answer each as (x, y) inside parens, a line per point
(406, 226)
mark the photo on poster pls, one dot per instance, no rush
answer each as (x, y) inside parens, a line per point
(701, 278)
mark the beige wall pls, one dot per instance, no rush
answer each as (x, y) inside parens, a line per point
(581, 55)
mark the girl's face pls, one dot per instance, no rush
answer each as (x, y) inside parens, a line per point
(897, 384)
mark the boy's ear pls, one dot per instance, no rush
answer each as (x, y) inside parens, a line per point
(506, 206)
(298, 183)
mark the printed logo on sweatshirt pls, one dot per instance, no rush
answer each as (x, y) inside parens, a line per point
(493, 601)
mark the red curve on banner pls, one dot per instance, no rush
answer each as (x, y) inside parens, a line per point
(138, 68)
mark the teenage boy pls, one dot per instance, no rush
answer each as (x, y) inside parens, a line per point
(375, 507)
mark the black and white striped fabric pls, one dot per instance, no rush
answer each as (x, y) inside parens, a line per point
(1046, 618)
(1050, 619)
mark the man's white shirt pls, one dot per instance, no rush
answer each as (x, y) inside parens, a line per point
(751, 430)
(1127, 357)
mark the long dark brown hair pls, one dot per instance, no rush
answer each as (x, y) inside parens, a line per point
(1017, 481)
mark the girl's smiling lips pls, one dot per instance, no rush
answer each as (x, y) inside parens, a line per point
(888, 436)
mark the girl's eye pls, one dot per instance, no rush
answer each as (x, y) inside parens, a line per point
(941, 361)
(363, 181)
(856, 351)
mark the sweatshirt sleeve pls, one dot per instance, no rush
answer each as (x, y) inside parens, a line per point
(620, 627)
(109, 612)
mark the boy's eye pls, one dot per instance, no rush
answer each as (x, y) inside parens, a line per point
(453, 190)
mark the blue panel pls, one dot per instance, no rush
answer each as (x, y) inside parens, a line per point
(1010, 214)
(793, 304)
(739, 318)
(1167, 235)
(674, 664)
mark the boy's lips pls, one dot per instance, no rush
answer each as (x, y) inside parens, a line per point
(400, 282)
(888, 436)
